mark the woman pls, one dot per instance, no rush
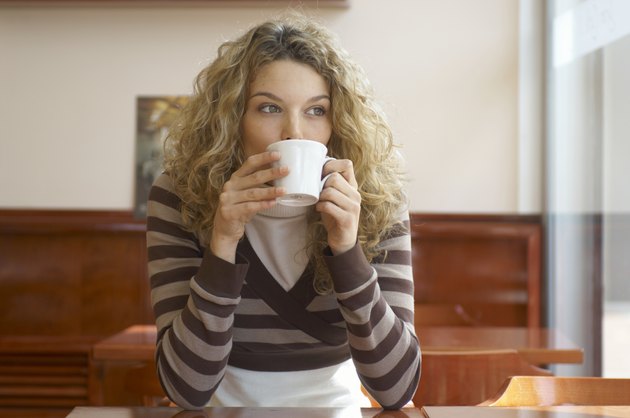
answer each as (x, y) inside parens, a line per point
(257, 304)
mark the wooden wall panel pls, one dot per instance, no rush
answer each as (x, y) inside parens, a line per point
(72, 273)
(115, 284)
(39, 290)
(84, 272)
(67, 280)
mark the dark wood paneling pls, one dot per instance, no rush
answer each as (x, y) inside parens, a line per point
(67, 279)
(72, 272)
(489, 266)
(84, 272)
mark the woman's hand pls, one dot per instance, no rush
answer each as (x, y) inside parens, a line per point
(243, 195)
(340, 205)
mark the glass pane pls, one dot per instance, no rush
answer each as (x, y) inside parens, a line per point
(588, 167)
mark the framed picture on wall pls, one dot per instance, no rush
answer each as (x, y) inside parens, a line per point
(154, 116)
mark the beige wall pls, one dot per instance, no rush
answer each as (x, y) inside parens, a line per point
(445, 71)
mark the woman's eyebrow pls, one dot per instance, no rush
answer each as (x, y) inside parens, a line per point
(320, 97)
(277, 98)
(266, 94)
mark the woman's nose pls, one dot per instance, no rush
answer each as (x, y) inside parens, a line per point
(292, 128)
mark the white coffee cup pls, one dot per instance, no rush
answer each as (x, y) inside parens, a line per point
(305, 159)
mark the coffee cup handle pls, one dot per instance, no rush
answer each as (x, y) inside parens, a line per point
(323, 181)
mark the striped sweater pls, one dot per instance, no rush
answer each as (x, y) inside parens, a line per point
(211, 313)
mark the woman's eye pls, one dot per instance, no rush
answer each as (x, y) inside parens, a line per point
(316, 111)
(269, 108)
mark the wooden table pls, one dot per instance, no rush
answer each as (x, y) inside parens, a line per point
(564, 411)
(536, 345)
(140, 412)
(131, 353)
(426, 412)
(136, 343)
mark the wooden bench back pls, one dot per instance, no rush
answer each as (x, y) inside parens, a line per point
(556, 390)
(468, 377)
(487, 267)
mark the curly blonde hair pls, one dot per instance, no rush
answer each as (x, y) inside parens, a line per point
(204, 146)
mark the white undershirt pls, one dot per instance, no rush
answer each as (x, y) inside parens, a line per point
(333, 386)
(278, 236)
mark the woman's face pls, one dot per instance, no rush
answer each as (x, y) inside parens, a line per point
(287, 100)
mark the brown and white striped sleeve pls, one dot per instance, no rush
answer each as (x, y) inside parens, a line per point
(377, 303)
(194, 295)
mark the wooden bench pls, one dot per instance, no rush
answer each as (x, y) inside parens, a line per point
(477, 269)
(468, 377)
(43, 376)
(557, 390)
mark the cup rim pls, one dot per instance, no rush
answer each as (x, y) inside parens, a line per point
(296, 140)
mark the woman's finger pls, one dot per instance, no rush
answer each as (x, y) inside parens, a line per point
(243, 212)
(235, 197)
(339, 183)
(343, 167)
(255, 175)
